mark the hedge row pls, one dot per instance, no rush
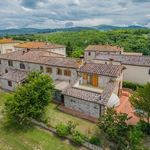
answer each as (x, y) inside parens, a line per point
(130, 85)
(77, 137)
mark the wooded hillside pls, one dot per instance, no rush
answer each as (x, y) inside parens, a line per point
(135, 40)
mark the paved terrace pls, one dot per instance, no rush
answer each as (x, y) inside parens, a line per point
(125, 107)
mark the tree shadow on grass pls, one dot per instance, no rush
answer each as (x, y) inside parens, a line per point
(13, 126)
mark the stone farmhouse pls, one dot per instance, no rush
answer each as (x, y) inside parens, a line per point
(55, 48)
(7, 45)
(83, 86)
(137, 66)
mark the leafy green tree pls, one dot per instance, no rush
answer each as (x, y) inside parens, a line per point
(140, 99)
(134, 136)
(77, 53)
(114, 124)
(30, 99)
(131, 40)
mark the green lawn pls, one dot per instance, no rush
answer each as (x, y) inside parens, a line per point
(55, 116)
(32, 138)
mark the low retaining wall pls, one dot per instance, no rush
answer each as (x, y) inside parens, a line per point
(85, 144)
(77, 114)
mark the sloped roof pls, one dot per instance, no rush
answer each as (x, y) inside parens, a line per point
(102, 69)
(107, 92)
(6, 41)
(83, 94)
(39, 45)
(14, 75)
(63, 62)
(41, 57)
(104, 48)
(126, 59)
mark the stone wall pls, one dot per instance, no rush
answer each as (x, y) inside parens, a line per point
(90, 108)
(36, 67)
(9, 47)
(4, 85)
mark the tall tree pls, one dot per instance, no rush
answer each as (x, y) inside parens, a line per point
(69, 49)
(30, 99)
(116, 129)
(114, 124)
(141, 100)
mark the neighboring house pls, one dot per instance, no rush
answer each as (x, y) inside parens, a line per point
(58, 67)
(55, 48)
(7, 45)
(97, 88)
(92, 50)
(137, 66)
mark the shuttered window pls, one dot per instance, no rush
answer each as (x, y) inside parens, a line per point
(59, 71)
(10, 63)
(22, 66)
(10, 83)
(67, 72)
(48, 70)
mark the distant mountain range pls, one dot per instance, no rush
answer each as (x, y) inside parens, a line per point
(34, 30)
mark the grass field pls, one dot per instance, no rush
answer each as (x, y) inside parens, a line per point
(15, 138)
(31, 139)
(55, 116)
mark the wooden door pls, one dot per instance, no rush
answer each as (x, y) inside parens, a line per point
(85, 76)
(95, 80)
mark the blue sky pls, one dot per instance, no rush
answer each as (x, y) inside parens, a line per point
(68, 13)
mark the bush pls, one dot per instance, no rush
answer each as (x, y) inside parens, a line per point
(144, 126)
(95, 140)
(78, 138)
(62, 130)
(130, 85)
(71, 126)
(134, 137)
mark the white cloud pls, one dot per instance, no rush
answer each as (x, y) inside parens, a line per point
(56, 13)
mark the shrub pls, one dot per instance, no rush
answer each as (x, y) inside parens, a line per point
(62, 130)
(130, 85)
(144, 126)
(78, 138)
(134, 137)
(95, 140)
(71, 126)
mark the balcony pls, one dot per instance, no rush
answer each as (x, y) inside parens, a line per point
(80, 85)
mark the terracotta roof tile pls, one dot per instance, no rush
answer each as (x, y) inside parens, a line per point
(102, 69)
(103, 48)
(64, 62)
(83, 94)
(39, 45)
(41, 57)
(6, 41)
(126, 59)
